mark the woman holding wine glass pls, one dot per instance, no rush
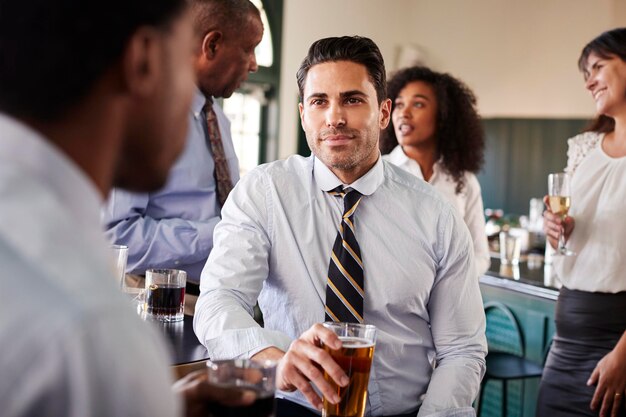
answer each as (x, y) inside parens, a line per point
(585, 372)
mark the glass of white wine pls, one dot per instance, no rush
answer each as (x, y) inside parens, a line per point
(559, 193)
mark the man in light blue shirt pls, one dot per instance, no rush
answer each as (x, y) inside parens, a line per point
(274, 244)
(173, 227)
(109, 110)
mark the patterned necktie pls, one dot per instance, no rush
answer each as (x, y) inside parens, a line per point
(345, 290)
(222, 174)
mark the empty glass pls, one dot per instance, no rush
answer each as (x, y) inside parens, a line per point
(510, 248)
(120, 257)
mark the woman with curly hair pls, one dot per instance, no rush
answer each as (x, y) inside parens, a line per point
(436, 135)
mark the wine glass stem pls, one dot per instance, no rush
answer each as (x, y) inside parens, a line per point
(562, 240)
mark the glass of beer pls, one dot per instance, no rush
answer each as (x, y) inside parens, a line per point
(559, 196)
(165, 294)
(355, 358)
(245, 374)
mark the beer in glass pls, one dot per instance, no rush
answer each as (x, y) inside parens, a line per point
(355, 358)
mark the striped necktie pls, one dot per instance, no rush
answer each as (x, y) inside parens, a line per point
(223, 182)
(345, 290)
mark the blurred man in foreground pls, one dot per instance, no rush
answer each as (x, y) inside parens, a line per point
(94, 95)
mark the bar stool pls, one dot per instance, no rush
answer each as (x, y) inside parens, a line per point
(505, 361)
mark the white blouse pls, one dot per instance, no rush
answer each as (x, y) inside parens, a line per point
(598, 206)
(469, 203)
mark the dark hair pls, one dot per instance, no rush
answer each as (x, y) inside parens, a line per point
(601, 124)
(227, 15)
(459, 132)
(612, 42)
(356, 49)
(53, 51)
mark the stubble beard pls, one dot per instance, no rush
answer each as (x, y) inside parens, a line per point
(343, 159)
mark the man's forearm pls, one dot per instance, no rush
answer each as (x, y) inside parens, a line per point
(270, 353)
(164, 242)
(453, 385)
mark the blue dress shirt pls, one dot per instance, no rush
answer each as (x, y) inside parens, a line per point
(274, 245)
(173, 227)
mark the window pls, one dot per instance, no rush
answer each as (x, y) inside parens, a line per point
(264, 51)
(244, 111)
(252, 109)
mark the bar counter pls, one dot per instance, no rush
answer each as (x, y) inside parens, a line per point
(532, 278)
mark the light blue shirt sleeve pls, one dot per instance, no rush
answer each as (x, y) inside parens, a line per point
(157, 242)
(173, 228)
(457, 323)
(223, 319)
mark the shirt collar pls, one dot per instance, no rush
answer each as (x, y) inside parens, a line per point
(366, 185)
(399, 158)
(197, 103)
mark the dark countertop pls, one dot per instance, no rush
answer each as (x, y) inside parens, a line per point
(538, 281)
(185, 345)
(533, 278)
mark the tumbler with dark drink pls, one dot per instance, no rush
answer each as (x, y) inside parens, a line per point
(355, 358)
(165, 294)
(245, 374)
(164, 300)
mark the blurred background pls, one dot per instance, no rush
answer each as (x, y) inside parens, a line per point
(519, 57)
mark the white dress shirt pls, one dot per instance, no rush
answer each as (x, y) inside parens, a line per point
(71, 343)
(598, 196)
(173, 227)
(468, 202)
(274, 243)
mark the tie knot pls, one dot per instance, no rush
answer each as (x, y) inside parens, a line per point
(351, 199)
(208, 105)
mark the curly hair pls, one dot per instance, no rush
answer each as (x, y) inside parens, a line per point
(459, 133)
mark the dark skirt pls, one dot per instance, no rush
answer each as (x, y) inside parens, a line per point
(588, 326)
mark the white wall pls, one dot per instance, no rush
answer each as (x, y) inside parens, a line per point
(305, 21)
(519, 56)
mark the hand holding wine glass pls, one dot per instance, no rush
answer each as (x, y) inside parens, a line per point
(559, 201)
